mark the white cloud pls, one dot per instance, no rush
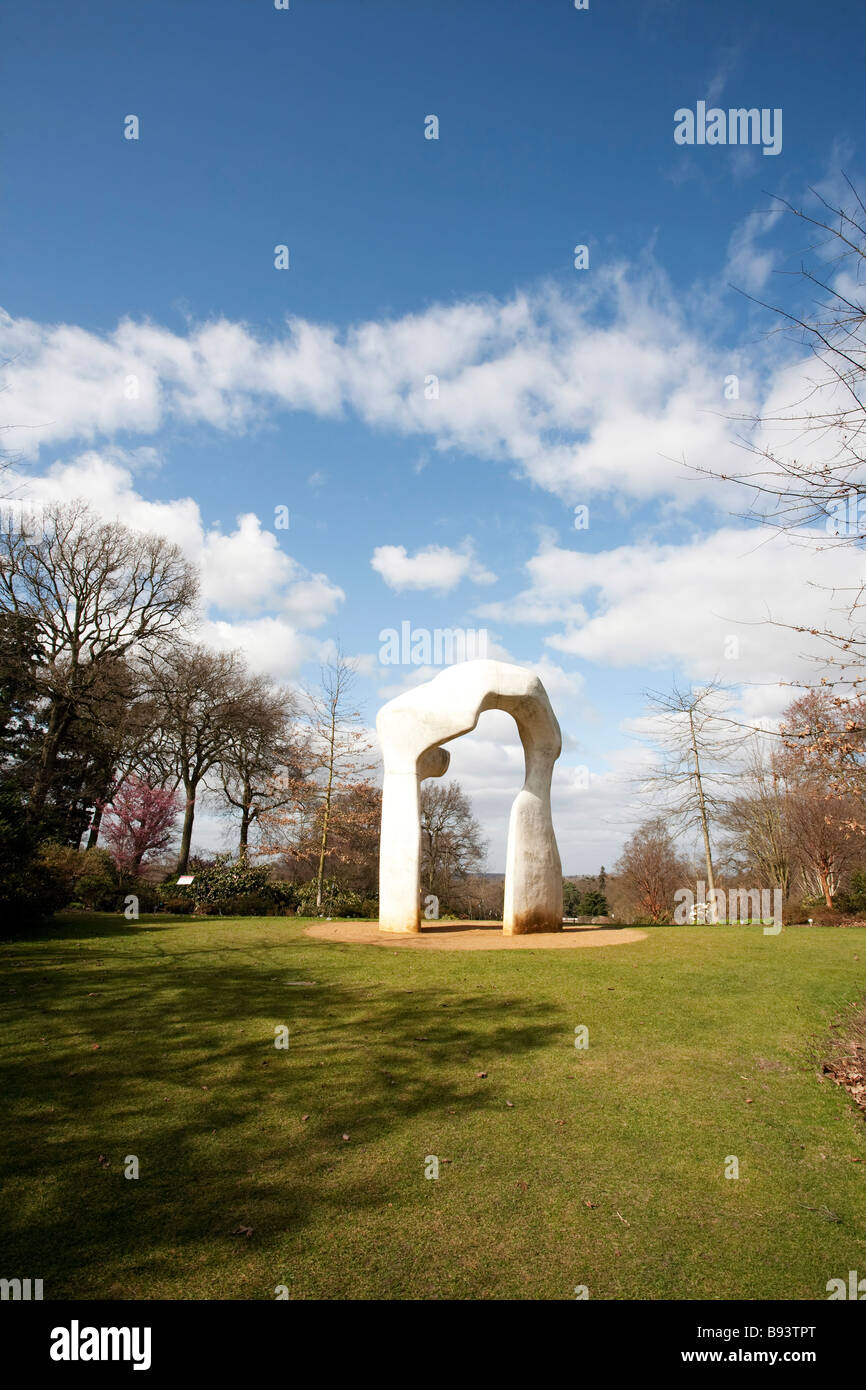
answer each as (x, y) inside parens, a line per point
(243, 571)
(749, 266)
(710, 606)
(437, 567)
(272, 646)
(595, 389)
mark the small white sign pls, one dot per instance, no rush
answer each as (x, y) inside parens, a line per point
(187, 878)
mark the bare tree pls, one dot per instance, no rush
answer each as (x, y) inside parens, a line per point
(757, 818)
(825, 842)
(822, 756)
(452, 846)
(91, 591)
(294, 832)
(650, 870)
(337, 742)
(824, 737)
(808, 467)
(203, 696)
(794, 492)
(697, 746)
(263, 766)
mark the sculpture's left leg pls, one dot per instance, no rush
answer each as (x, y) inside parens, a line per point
(399, 854)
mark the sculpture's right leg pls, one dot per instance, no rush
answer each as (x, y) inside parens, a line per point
(400, 854)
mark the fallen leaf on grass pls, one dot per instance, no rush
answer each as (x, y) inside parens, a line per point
(94, 1047)
(481, 1073)
(345, 1138)
(510, 1104)
(305, 1117)
(243, 1231)
(523, 1186)
(590, 1204)
(103, 1161)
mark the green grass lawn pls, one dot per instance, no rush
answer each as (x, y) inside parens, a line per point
(606, 1170)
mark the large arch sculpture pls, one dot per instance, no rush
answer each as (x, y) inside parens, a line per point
(411, 730)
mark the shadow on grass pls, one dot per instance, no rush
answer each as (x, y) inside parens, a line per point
(227, 1128)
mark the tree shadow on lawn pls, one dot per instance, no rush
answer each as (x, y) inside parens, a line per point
(186, 1077)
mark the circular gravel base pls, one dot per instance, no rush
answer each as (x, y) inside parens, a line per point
(473, 936)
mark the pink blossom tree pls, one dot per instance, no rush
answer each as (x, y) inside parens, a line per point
(140, 820)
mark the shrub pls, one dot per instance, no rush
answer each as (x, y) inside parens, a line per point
(853, 899)
(29, 892)
(149, 899)
(336, 901)
(178, 907)
(823, 916)
(229, 887)
(89, 877)
(97, 883)
(284, 894)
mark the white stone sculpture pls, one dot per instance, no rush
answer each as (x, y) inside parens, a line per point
(411, 730)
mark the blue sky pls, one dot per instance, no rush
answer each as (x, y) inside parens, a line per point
(305, 387)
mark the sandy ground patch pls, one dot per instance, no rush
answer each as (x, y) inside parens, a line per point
(474, 936)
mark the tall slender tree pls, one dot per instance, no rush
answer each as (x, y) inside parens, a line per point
(338, 743)
(698, 748)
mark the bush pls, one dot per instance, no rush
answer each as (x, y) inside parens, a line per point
(229, 887)
(97, 883)
(178, 907)
(89, 877)
(283, 894)
(853, 900)
(336, 901)
(822, 916)
(29, 890)
(149, 899)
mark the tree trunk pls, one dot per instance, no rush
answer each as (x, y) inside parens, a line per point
(186, 836)
(246, 818)
(326, 815)
(95, 825)
(711, 887)
(61, 714)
